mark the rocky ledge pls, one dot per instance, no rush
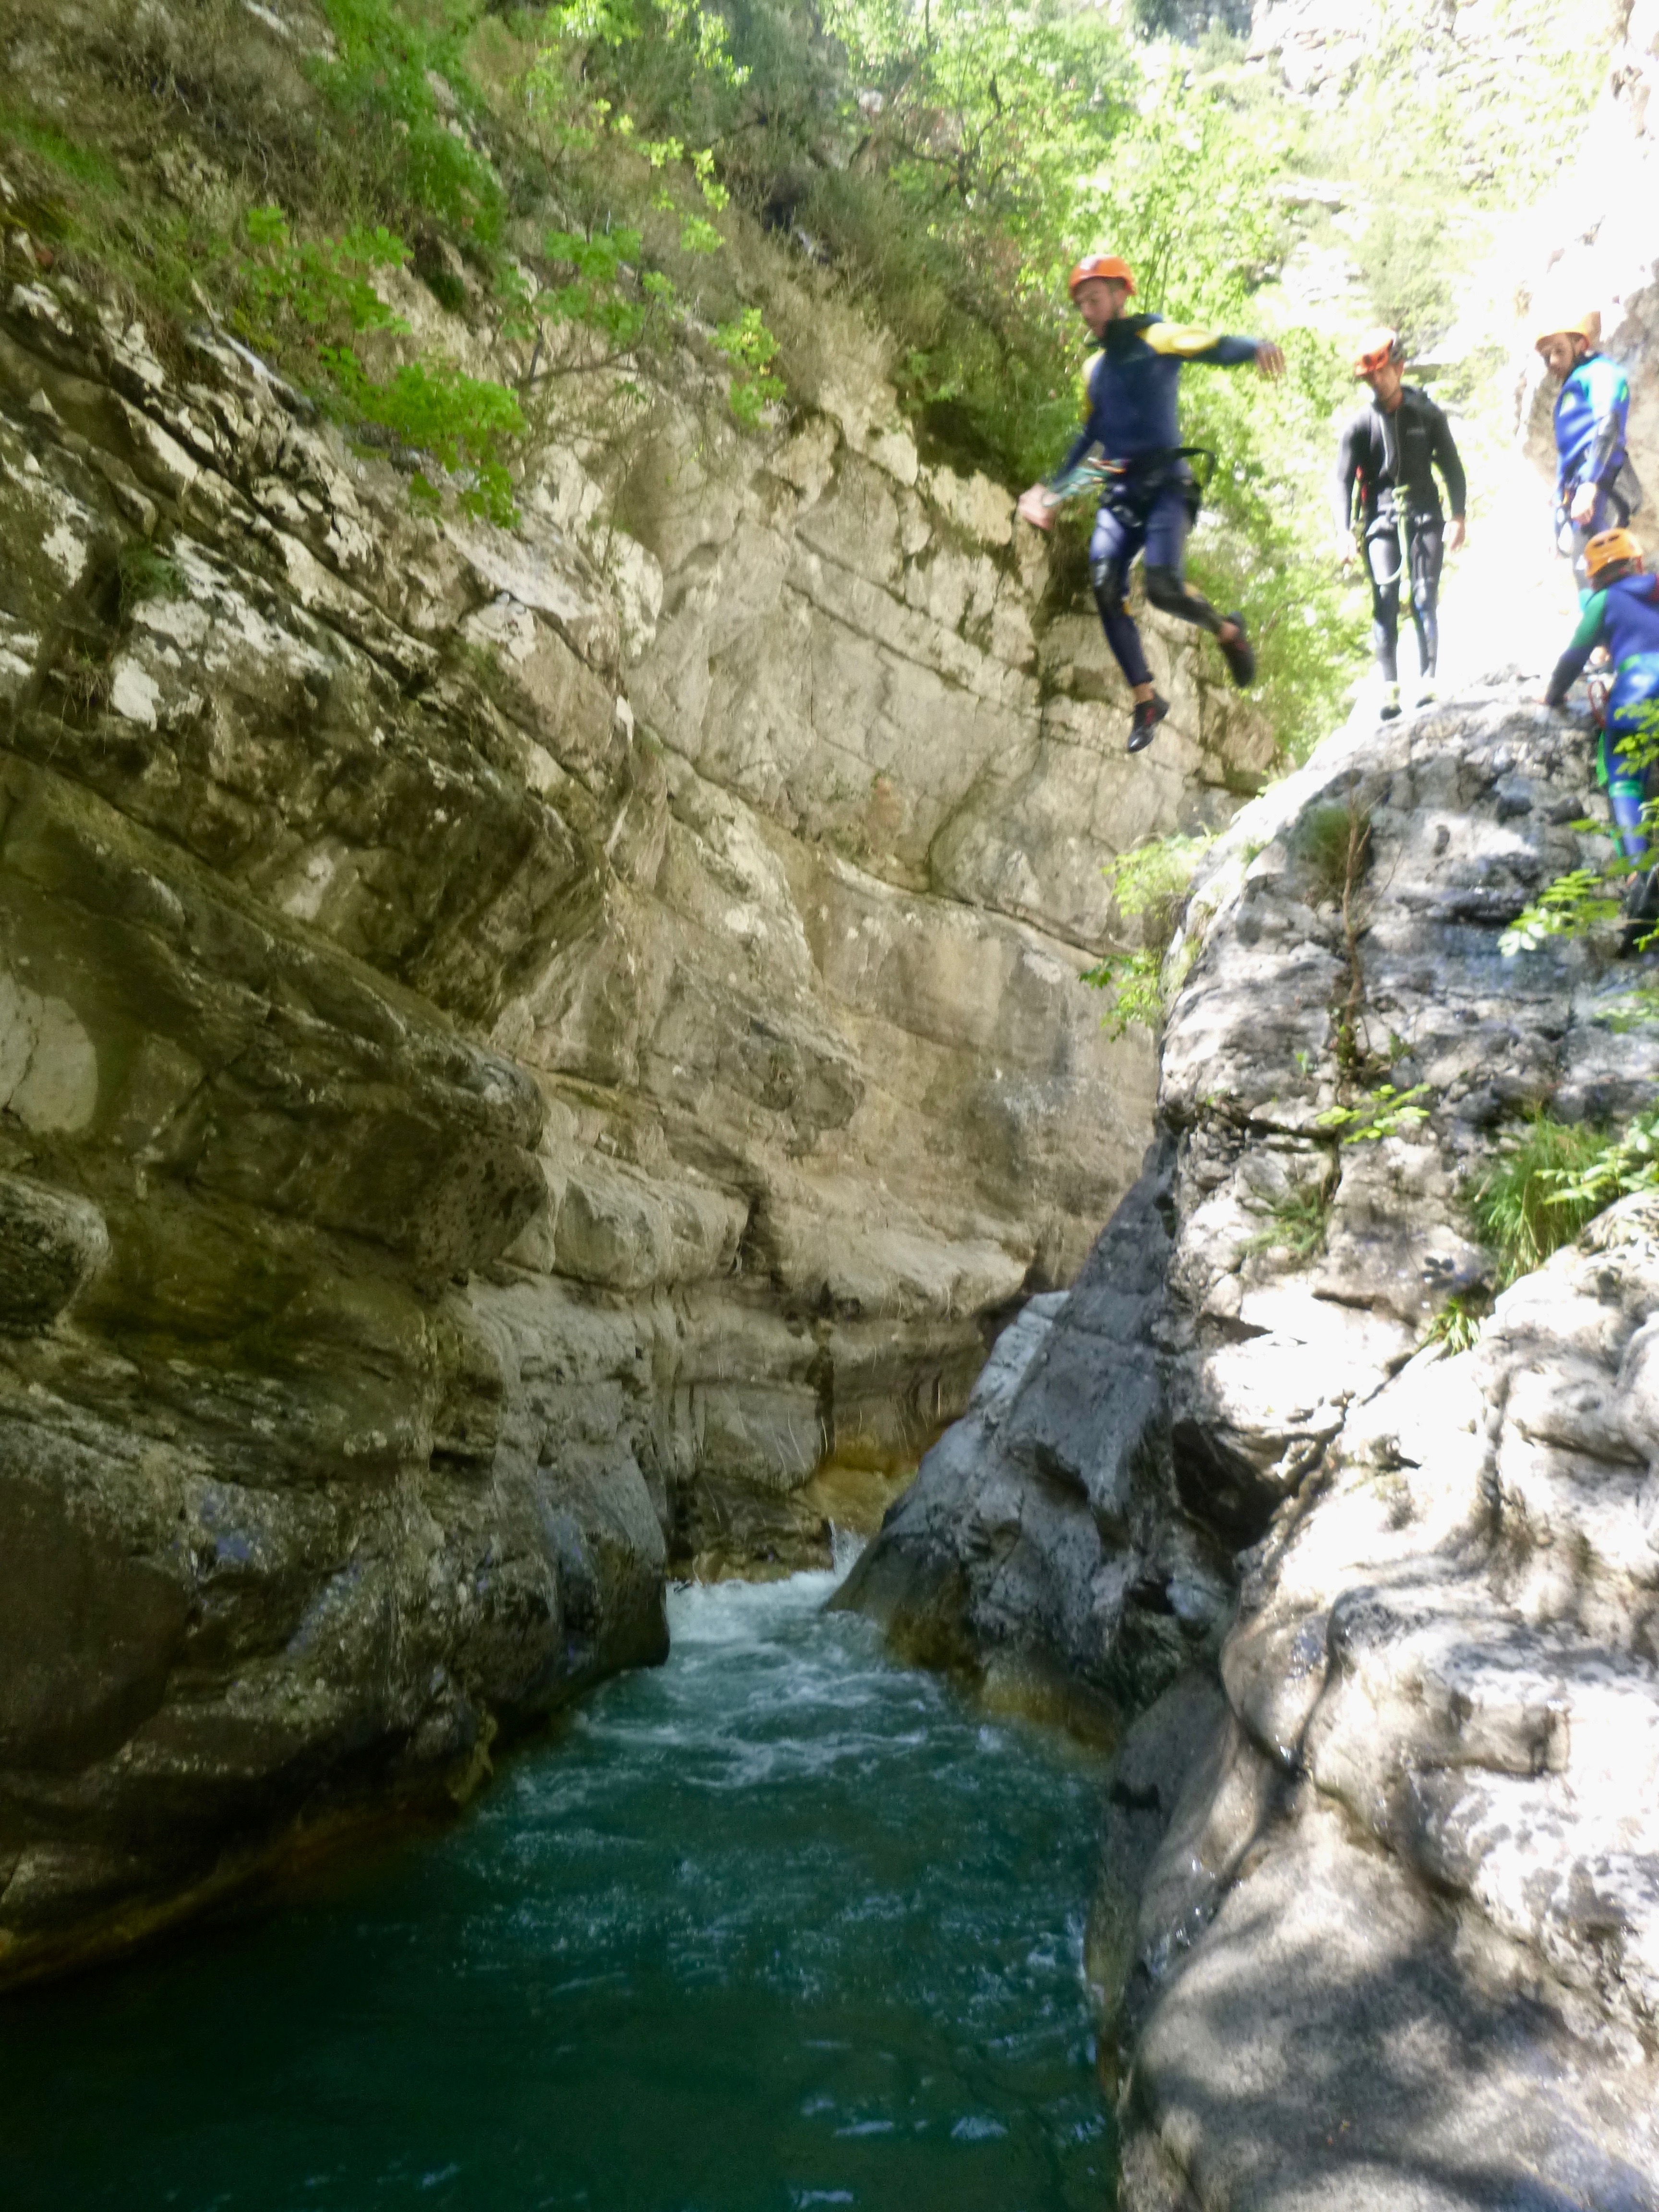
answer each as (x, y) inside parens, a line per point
(1378, 1918)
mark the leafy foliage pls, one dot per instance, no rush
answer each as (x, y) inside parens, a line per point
(1148, 885)
(751, 349)
(1135, 981)
(598, 294)
(1384, 1112)
(1534, 1199)
(1153, 878)
(1571, 906)
(1458, 1324)
(1585, 900)
(382, 74)
(314, 295)
(1628, 1161)
(320, 283)
(463, 422)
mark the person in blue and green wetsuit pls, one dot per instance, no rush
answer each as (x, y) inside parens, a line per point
(1622, 614)
(1595, 487)
(1129, 448)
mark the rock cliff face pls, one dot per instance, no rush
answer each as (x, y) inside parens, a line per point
(518, 1048)
(1380, 1879)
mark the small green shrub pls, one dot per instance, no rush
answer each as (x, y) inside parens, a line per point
(598, 294)
(1384, 1112)
(1532, 1199)
(464, 422)
(1627, 1162)
(146, 572)
(318, 284)
(1458, 1324)
(1152, 877)
(1335, 840)
(1148, 885)
(1297, 1223)
(1588, 901)
(1135, 981)
(381, 76)
(750, 348)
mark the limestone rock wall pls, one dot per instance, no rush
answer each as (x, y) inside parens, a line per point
(518, 1048)
(1380, 1871)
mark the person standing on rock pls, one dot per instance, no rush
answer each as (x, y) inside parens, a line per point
(1621, 613)
(1595, 489)
(1129, 447)
(1386, 462)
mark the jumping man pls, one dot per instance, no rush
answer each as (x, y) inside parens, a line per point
(1387, 457)
(1595, 489)
(1130, 446)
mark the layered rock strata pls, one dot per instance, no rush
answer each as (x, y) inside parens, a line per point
(519, 1049)
(1380, 1887)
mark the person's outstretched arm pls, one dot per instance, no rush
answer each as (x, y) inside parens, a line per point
(1194, 342)
(1585, 639)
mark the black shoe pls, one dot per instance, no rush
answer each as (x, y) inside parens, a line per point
(1240, 655)
(1641, 914)
(1149, 713)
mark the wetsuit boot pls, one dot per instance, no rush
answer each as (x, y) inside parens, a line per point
(1239, 655)
(1148, 713)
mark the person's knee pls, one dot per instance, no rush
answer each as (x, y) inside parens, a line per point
(1166, 590)
(1107, 578)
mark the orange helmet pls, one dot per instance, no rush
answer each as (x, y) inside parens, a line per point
(1565, 321)
(1611, 549)
(1377, 348)
(1101, 264)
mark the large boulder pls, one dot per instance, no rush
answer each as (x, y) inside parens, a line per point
(1380, 1882)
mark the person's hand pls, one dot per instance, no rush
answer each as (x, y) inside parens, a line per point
(1347, 550)
(1269, 359)
(1033, 507)
(1459, 537)
(1583, 509)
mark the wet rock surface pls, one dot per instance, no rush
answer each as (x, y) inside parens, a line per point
(1381, 1861)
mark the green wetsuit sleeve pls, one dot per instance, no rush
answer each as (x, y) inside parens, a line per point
(1585, 639)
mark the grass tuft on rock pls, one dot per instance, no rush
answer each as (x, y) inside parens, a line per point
(1552, 1180)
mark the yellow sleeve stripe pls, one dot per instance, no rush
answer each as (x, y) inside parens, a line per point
(1183, 338)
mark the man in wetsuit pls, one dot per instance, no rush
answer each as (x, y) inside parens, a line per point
(1387, 459)
(1129, 448)
(1621, 612)
(1595, 489)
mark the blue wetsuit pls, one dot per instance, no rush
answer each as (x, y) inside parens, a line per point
(1625, 617)
(1590, 414)
(1130, 446)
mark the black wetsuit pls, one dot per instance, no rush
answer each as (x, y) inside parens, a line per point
(1389, 459)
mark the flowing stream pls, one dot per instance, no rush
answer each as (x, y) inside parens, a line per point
(782, 1923)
